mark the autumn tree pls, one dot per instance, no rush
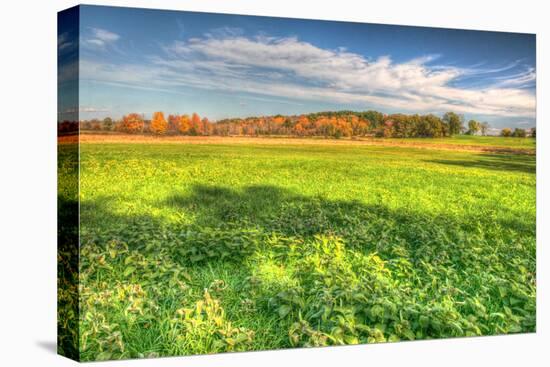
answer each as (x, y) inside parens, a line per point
(262, 127)
(184, 126)
(336, 124)
(173, 124)
(322, 126)
(221, 129)
(132, 123)
(249, 130)
(279, 119)
(196, 126)
(343, 127)
(159, 125)
(277, 123)
(301, 126)
(359, 126)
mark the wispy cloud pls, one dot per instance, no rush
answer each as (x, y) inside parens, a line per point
(93, 109)
(64, 42)
(98, 38)
(523, 79)
(291, 69)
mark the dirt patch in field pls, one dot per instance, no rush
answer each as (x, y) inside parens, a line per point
(148, 139)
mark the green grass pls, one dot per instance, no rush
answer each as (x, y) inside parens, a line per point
(474, 140)
(192, 249)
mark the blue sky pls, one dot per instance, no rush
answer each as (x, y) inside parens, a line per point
(136, 60)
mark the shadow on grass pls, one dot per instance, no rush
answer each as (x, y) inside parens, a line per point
(67, 278)
(229, 223)
(496, 162)
(269, 208)
(275, 209)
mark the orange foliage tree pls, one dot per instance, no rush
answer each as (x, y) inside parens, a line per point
(132, 123)
(301, 126)
(173, 124)
(184, 124)
(335, 124)
(196, 126)
(343, 128)
(159, 125)
(359, 127)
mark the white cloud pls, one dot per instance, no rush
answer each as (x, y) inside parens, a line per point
(293, 69)
(99, 38)
(92, 109)
(105, 35)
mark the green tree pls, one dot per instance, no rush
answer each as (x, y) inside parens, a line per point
(506, 132)
(519, 133)
(436, 126)
(455, 122)
(107, 124)
(376, 118)
(473, 127)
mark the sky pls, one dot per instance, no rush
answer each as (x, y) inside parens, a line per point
(220, 66)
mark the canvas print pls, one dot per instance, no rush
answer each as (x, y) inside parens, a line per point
(242, 183)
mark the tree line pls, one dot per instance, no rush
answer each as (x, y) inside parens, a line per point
(334, 124)
(518, 133)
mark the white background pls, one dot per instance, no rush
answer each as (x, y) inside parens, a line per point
(28, 181)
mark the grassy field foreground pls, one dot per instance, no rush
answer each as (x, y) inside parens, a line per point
(203, 248)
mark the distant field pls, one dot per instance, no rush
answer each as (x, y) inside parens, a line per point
(251, 244)
(483, 141)
(461, 142)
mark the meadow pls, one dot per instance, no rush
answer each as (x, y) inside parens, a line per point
(256, 244)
